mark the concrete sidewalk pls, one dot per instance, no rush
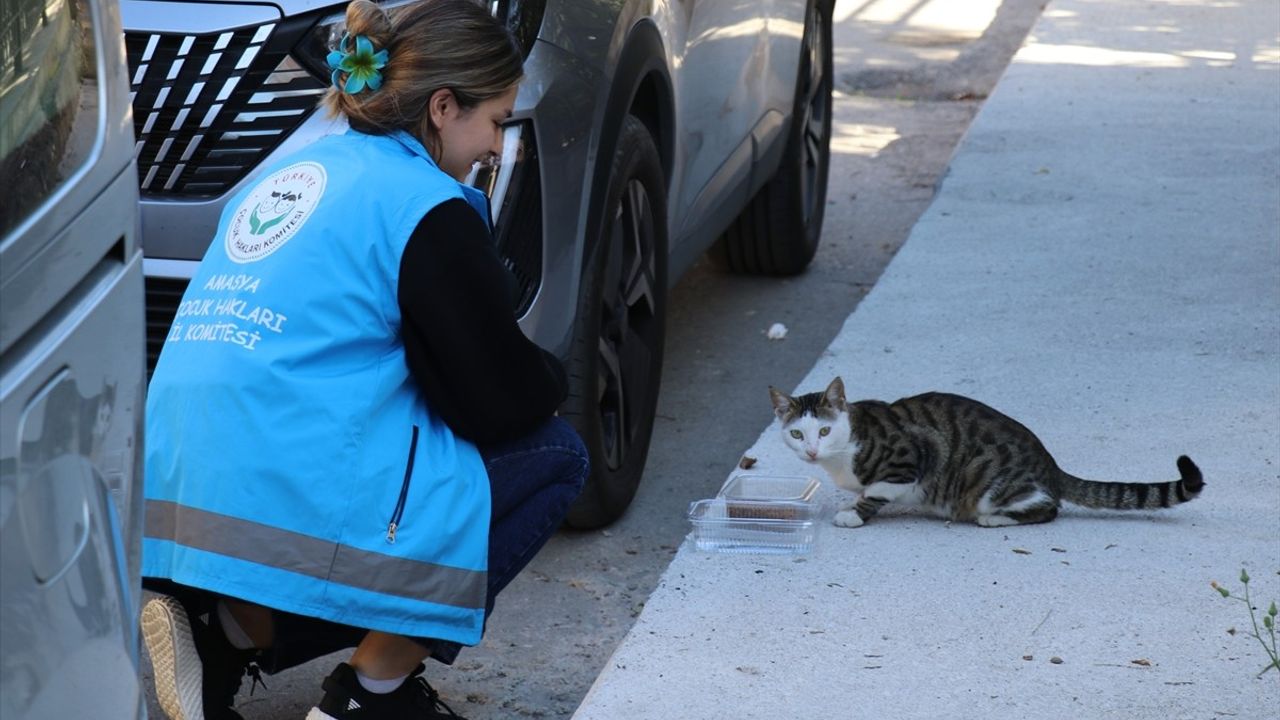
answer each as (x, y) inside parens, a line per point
(1103, 264)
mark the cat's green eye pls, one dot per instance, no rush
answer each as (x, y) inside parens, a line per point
(824, 431)
(797, 434)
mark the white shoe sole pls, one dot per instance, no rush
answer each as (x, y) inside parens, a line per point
(318, 714)
(174, 661)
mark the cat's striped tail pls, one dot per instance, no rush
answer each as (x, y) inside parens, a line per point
(1135, 496)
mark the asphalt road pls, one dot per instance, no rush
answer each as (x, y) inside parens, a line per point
(909, 78)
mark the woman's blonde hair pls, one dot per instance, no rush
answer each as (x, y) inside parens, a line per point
(431, 45)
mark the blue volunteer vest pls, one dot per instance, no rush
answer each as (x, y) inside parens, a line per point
(290, 459)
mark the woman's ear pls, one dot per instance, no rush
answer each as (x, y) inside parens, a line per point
(441, 106)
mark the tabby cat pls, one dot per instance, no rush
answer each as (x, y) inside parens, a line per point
(951, 455)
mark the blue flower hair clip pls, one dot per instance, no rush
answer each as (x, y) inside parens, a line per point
(361, 65)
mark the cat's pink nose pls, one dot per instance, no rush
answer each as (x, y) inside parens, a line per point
(813, 454)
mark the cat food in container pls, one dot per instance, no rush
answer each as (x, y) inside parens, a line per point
(770, 488)
(766, 514)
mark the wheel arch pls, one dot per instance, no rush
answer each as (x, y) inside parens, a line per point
(641, 86)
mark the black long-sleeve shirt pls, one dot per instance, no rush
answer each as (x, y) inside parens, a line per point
(478, 371)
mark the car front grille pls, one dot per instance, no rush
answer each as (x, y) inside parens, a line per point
(163, 297)
(207, 108)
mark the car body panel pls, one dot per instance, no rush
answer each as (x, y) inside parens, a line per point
(71, 379)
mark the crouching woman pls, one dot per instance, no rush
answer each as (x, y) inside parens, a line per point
(359, 447)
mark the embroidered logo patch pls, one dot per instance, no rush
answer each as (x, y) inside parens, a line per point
(274, 211)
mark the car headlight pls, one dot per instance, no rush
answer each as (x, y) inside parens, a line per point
(523, 19)
(513, 183)
(494, 175)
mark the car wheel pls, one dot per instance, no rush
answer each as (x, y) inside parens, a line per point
(778, 232)
(615, 364)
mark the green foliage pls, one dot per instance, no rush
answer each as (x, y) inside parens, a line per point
(1268, 622)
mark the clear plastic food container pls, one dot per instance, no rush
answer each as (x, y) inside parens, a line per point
(759, 514)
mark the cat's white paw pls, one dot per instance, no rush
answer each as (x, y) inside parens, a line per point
(849, 519)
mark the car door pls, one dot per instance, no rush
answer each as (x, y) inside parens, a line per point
(719, 74)
(71, 366)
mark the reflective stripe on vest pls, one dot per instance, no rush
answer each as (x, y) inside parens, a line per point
(321, 559)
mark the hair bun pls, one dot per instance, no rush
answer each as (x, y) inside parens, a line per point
(425, 47)
(367, 18)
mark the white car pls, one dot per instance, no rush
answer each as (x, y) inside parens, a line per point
(72, 372)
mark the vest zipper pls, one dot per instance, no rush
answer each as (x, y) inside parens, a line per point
(404, 490)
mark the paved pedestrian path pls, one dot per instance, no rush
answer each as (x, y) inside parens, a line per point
(1102, 262)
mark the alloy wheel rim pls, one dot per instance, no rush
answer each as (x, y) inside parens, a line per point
(629, 324)
(817, 113)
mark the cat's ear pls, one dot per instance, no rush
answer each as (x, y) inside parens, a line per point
(834, 394)
(781, 402)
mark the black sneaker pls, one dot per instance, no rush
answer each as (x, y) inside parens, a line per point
(224, 667)
(196, 669)
(346, 699)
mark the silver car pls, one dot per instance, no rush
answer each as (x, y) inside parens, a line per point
(71, 366)
(646, 133)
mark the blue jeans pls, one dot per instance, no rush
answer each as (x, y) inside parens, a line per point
(532, 481)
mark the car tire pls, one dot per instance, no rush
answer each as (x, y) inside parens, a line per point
(778, 232)
(615, 363)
